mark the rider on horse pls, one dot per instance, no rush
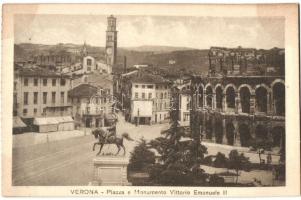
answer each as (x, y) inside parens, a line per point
(111, 131)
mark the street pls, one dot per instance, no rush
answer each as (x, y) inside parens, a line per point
(69, 162)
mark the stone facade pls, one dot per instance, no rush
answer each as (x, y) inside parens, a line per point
(40, 93)
(236, 110)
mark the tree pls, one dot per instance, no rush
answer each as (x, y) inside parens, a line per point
(237, 162)
(220, 160)
(179, 163)
(141, 157)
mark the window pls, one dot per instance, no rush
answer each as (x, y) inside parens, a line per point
(35, 82)
(45, 82)
(88, 110)
(161, 96)
(62, 97)
(24, 112)
(63, 82)
(54, 82)
(143, 86)
(150, 86)
(25, 98)
(15, 85)
(149, 95)
(53, 97)
(35, 111)
(44, 97)
(89, 62)
(143, 95)
(26, 82)
(35, 98)
(136, 95)
(165, 95)
(136, 86)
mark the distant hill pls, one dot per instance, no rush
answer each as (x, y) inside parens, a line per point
(157, 49)
(163, 57)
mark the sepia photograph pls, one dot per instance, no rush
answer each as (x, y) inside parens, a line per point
(122, 99)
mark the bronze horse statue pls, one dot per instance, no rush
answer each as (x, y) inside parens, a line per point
(101, 135)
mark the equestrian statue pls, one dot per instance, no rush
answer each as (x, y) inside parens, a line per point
(109, 137)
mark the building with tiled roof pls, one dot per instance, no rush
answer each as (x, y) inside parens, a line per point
(145, 97)
(90, 105)
(40, 93)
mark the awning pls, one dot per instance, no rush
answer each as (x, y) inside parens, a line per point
(52, 120)
(18, 123)
(45, 121)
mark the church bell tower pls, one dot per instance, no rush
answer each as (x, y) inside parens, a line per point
(111, 41)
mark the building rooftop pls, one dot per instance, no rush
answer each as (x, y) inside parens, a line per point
(38, 71)
(100, 80)
(148, 78)
(83, 90)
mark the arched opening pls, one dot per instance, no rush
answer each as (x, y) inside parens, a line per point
(279, 98)
(278, 136)
(200, 100)
(219, 97)
(261, 99)
(261, 133)
(245, 99)
(230, 97)
(219, 131)
(230, 133)
(209, 96)
(245, 136)
(209, 129)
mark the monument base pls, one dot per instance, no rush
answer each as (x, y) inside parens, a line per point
(110, 170)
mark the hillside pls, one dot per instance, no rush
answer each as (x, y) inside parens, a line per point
(173, 59)
(157, 49)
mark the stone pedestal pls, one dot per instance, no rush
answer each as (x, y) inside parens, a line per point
(110, 170)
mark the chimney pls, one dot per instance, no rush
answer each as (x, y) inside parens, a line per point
(124, 64)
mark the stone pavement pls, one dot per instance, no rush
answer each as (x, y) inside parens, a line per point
(33, 138)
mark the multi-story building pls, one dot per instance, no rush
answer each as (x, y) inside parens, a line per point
(91, 105)
(184, 103)
(243, 108)
(145, 97)
(38, 92)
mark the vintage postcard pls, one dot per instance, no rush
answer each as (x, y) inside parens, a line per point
(150, 100)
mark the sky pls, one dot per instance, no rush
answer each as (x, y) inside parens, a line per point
(193, 32)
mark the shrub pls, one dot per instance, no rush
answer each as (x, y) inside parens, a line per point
(141, 157)
(220, 160)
